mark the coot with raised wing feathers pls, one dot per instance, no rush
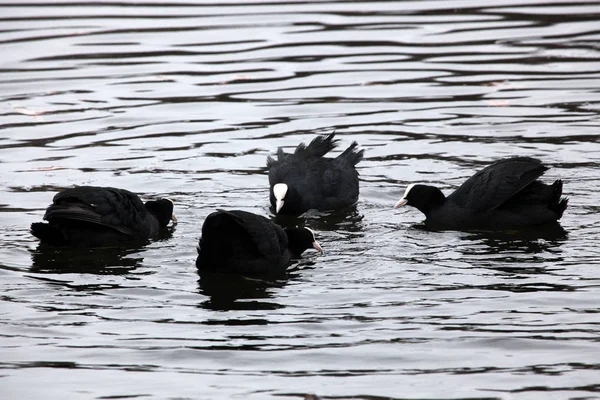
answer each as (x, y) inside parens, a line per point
(504, 195)
(306, 180)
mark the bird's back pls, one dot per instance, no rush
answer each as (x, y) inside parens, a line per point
(93, 216)
(294, 166)
(497, 183)
(241, 242)
(118, 209)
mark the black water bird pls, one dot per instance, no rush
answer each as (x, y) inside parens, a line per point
(306, 180)
(504, 195)
(91, 216)
(249, 244)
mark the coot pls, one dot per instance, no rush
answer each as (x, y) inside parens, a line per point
(249, 244)
(92, 216)
(504, 195)
(307, 180)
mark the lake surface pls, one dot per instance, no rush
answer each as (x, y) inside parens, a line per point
(187, 100)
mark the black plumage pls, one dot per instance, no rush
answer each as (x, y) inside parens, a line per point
(503, 195)
(306, 180)
(249, 244)
(91, 216)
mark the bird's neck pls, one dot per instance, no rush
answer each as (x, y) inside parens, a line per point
(433, 202)
(295, 242)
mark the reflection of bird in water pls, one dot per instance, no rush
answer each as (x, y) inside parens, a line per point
(103, 261)
(348, 219)
(516, 251)
(531, 240)
(90, 216)
(237, 292)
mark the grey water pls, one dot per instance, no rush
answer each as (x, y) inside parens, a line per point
(187, 99)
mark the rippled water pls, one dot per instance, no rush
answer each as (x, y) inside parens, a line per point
(188, 99)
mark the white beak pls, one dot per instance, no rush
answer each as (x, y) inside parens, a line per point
(174, 218)
(278, 206)
(279, 192)
(317, 247)
(400, 203)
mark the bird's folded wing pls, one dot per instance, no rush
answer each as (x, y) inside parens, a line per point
(497, 183)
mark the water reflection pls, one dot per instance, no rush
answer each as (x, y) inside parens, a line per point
(349, 219)
(522, 253)
(102, 261)
(531, 241)
(237, 292)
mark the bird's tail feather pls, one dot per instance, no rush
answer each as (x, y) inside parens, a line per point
(352, 154)
(319, 146)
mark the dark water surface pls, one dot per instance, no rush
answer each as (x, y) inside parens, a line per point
(187, 99)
